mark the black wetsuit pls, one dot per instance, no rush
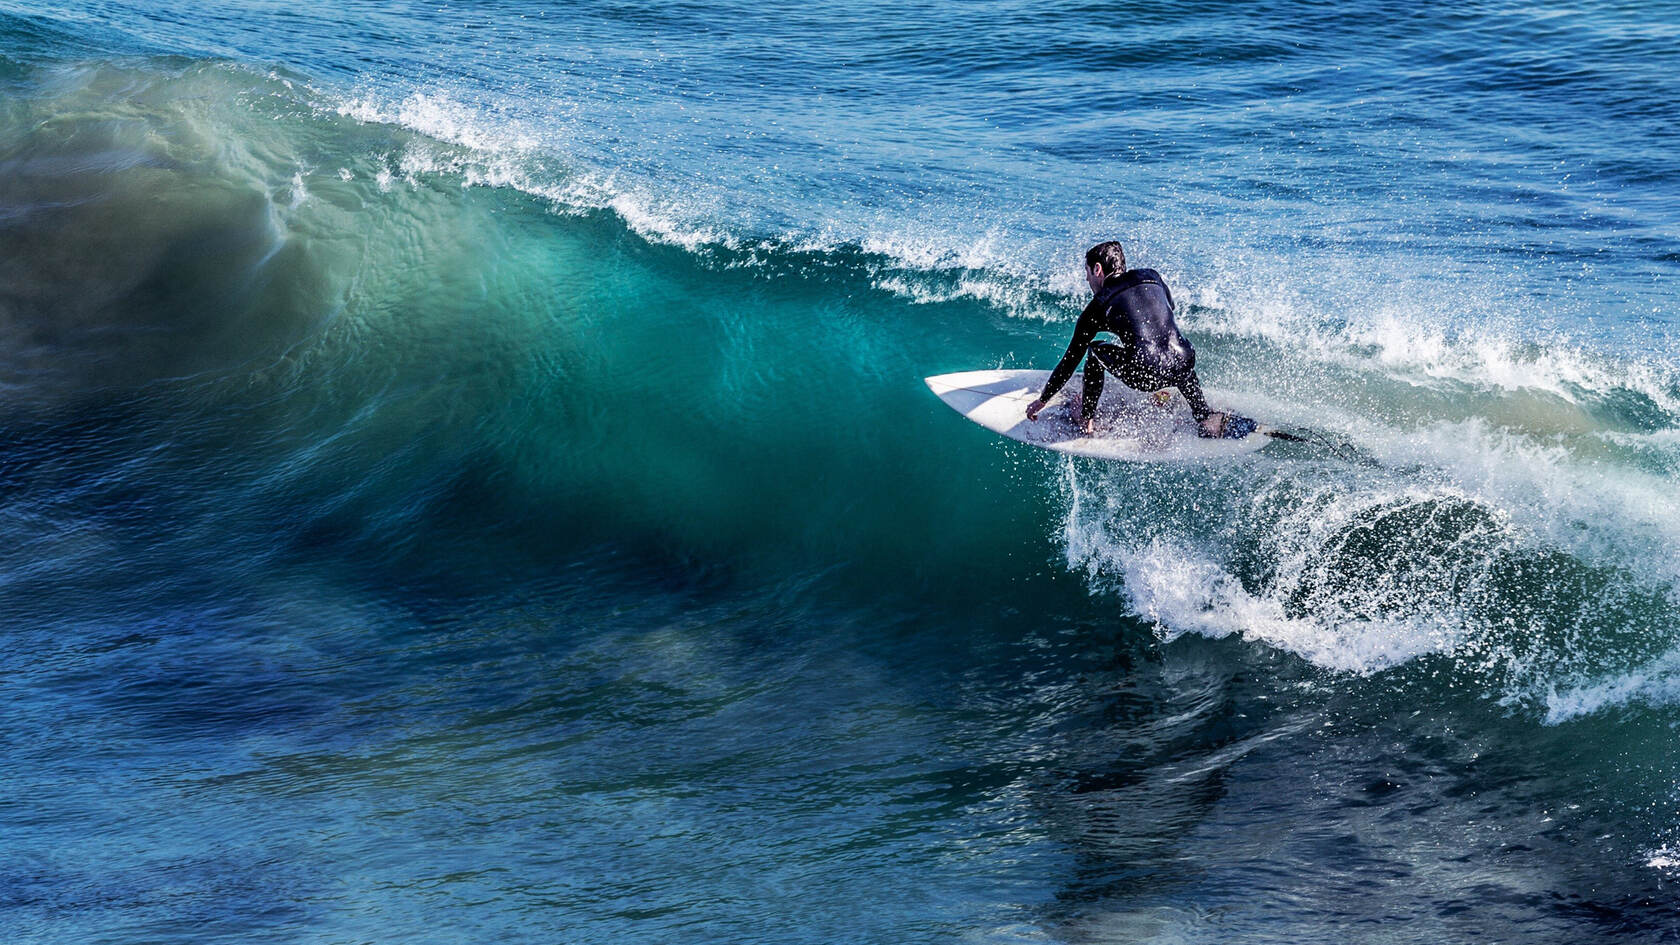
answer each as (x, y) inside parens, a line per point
(1136, 307)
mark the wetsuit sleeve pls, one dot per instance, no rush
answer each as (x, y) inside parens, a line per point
(1084, 332)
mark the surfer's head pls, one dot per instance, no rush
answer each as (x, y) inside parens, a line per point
(1104, 260)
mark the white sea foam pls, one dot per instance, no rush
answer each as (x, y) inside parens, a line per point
(1181, 591)
(1668, 438)
(1012, 297)
(498, 153)
(1413, 346)
(1606, 514)
(1360, 570)
(1657, 683)
(919, 251)
(443, 118)
(1665, 858)
(1183, 584)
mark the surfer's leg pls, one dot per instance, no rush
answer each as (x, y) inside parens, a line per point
(1190, 386)
(1210, 423)
(1091, 391)
(1136, 374)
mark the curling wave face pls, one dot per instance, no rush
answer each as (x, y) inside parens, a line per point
(405, 299)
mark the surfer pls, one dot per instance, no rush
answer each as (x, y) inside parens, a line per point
(1134, 306)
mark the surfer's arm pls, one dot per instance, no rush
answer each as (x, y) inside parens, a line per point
(1084, 332)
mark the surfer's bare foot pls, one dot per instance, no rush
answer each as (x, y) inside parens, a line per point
(1213, 425)
(1088, 427)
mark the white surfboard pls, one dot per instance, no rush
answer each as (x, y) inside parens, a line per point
(1130, 425)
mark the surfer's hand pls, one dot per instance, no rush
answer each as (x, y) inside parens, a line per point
(1033, 409)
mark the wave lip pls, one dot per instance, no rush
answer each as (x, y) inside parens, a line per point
(489, 152)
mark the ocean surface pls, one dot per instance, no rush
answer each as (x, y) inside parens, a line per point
(465, 474)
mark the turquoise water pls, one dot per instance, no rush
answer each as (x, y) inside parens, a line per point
(467, 475)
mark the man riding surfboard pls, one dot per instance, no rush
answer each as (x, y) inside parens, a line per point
(1135, 306)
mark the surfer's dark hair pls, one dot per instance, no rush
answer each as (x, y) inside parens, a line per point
(1111, 254)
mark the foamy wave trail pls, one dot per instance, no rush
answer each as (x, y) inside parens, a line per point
(1546, 575)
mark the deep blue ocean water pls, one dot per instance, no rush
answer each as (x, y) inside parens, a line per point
(467, 475)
